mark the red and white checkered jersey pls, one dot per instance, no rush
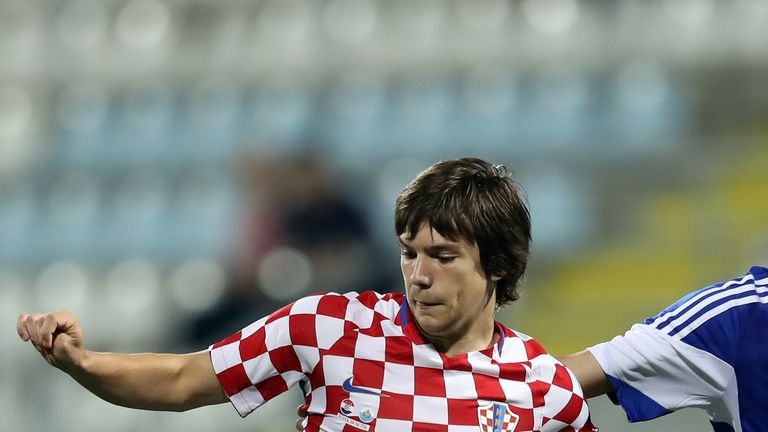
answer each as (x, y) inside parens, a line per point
(364, 366)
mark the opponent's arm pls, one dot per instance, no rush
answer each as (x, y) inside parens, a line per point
(168, 382)
(588, 372)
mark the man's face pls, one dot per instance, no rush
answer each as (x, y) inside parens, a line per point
(446, 288)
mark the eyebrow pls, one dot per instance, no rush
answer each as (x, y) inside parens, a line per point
(437, 248)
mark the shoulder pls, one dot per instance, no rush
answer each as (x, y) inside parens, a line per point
(519, 347)
(720, 305)
(751, 287)
(516, 346)
(352, 306)
(724, 320)
(556, 385)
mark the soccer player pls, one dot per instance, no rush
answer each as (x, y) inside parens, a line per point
(707, 350)
(433, 359)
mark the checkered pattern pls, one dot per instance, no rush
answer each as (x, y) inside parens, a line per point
(363, 351)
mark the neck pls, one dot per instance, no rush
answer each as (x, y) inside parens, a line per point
(482, 336)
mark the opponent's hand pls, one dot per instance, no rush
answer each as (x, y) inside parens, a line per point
(301, 411)
(56, 335)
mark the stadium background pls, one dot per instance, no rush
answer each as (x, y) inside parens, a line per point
(171, 170)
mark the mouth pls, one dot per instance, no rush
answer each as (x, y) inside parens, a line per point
(425, 305)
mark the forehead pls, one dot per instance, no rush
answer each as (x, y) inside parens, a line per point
(429, 236)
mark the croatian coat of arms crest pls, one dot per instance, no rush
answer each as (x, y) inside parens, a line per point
(496, 417)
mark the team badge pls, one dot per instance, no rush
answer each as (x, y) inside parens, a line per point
(346, 407)
(496, 417)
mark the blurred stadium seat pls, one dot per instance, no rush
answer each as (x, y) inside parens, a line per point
(638, 130)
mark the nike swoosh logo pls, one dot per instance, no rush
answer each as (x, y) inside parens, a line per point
(349, 388)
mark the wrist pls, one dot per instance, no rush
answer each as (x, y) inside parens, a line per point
(80, 363)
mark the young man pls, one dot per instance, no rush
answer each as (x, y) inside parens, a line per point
(707, 350)
(433, 359)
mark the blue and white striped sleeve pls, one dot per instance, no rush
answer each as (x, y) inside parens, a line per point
(688, 355)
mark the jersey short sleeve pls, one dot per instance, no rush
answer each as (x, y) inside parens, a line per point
(564, 408)
(707, 350)
(557, 392)
(276, 352)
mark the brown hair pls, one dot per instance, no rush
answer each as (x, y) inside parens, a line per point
(476, 201)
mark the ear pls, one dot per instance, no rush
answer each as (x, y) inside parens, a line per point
(497, 277)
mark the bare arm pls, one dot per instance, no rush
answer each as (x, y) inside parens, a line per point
(588, 372)
(169, 382)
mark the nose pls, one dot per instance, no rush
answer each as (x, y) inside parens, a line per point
(421, 276)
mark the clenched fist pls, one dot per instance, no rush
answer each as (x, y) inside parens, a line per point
(56, 335)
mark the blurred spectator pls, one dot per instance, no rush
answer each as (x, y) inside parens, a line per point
(301, 232)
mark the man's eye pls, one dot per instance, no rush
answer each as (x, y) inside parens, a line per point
(446, 258)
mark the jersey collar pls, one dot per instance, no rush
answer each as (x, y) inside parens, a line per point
(406, 321)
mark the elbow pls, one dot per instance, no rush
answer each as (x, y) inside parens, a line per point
(195, 384)
(182, 403)
(192, 401)
(183, 407)
(184, 398)
(181, 396)
(191, 394)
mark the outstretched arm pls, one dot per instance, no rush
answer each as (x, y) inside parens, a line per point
(588, 372)
(168, 382)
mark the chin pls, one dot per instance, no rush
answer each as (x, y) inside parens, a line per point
(429, 327)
